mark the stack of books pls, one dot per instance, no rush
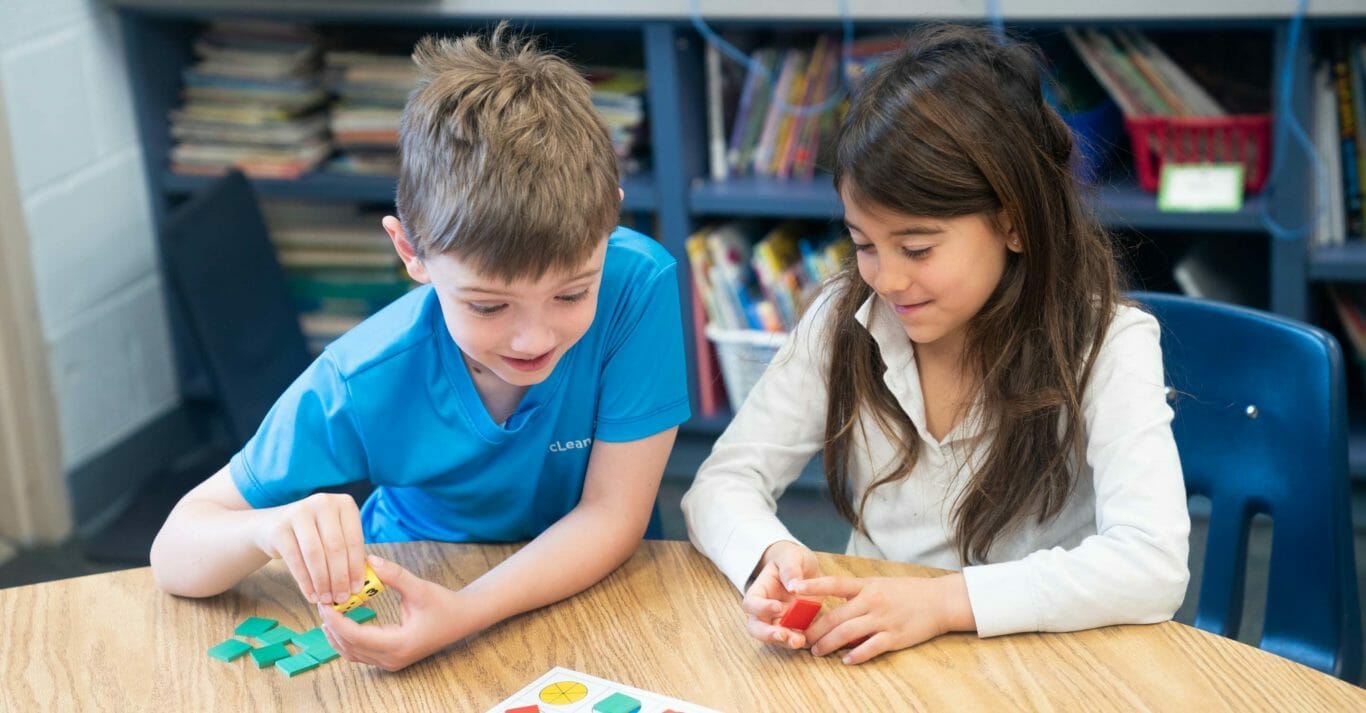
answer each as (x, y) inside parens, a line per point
(341, 267)
(254, 100)
(749, 278)
(1141, 78)
(787, 108)
(619, 96)
(1339, 132)
(371, 90)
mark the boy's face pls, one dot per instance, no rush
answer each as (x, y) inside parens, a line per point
(935, 273)
(515, 330)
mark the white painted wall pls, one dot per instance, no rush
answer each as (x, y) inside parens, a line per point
(85, 202)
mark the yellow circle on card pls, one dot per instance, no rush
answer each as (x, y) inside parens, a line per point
(564, 692)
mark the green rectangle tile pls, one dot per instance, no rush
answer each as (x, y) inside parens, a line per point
(267, 655)
(309, 638)
(278, 635)
(254, 626)
(296, 664)
(322, 652)
(229, 650)
(360, 615)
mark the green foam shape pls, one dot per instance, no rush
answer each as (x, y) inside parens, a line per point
(617, 703)
(296, 664)
(229, 650)
(267, 655)
(322, 653)
(360, 615)
(254, 626)
(309, 638)
(278, 635)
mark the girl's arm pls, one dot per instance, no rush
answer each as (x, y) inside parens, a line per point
(1134, 569)
(597, 536)
(731, 508)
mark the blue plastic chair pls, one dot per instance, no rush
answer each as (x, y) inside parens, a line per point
(1261, 424)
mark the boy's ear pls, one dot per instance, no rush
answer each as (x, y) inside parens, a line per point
(411, 261)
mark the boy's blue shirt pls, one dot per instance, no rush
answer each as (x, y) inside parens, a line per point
(393, 402)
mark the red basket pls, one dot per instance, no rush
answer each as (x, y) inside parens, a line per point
(1244, 139)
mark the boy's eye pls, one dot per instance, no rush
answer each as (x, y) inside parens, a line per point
(916, 253)
(576, 297)
(485, 310)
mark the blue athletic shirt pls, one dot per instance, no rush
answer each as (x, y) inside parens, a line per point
(392, 401)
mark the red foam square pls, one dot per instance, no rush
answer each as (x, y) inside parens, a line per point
(525, 709)
(800, 614)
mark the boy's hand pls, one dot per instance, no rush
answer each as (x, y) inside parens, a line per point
(891, 613)
(769, 596)
(427, 613)
(321, 541)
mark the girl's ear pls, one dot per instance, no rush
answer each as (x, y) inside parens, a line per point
(1012, 238)
(416, 269)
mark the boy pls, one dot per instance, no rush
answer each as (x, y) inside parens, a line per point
(529, 389)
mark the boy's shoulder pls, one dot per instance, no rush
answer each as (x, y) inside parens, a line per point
(630, 252)
(399, 330)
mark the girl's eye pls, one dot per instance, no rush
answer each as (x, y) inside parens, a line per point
(485, 310)
(916, 253)
(863, 247)
(576, 297)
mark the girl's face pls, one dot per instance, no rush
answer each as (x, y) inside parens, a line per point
(935, 273)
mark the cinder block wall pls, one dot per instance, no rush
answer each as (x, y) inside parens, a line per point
(85, 203)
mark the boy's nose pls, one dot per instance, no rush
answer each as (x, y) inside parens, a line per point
(533, 341)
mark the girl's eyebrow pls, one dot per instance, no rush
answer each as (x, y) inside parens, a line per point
(902, 232)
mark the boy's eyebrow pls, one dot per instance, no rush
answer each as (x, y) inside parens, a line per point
(503, 293)
(912, 230)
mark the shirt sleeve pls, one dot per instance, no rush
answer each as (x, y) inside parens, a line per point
(1134, 569)
(731, 507)
(644, 377)
(308, 440)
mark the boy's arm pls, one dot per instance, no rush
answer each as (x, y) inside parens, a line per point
(214, 538)
(597, 536)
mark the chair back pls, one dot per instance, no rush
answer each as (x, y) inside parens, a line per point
(1261, 425)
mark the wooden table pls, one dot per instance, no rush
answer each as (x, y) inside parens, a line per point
(666, 621)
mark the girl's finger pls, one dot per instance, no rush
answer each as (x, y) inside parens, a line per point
(774, 634)
(870, 647)
(762, 607)
(829, 621)
(842, 587)
(837, 637)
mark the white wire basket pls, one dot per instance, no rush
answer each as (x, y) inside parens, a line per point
(743, 355)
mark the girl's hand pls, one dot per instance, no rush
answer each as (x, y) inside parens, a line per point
(321, 541)
(769, 596)
(426, 616)
(891, 613)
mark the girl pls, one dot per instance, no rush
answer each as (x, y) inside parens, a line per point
(984, 398)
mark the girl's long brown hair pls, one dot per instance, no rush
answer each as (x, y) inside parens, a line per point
(953, 125)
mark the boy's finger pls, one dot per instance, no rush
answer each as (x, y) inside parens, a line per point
(289, 552)
(315, 558)
(355, 547)
(842, 587)
(335, 546)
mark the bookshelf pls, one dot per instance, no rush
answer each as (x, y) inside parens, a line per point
(677, 193)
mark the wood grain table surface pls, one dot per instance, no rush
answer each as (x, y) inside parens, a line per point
(667, 622)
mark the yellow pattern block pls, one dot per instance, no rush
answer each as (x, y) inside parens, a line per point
(369, 588)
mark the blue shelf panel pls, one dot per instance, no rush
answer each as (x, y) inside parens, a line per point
(1122, 205)
(1356, 448)
(749, 196)
(1339, 263)
(640, 190)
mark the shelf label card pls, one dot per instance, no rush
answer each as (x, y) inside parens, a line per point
(1201, 187)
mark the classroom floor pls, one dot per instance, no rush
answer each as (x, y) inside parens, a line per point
(805, 510)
